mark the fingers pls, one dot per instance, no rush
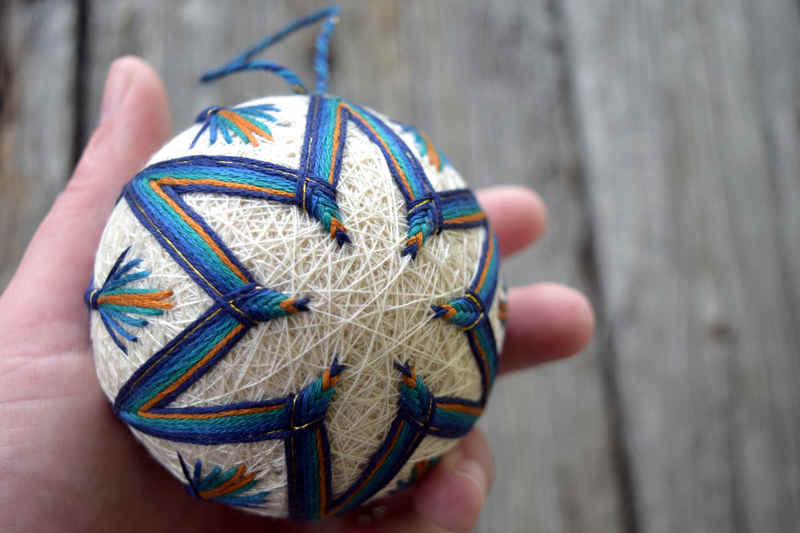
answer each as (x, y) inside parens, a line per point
(57, 265)
(545, 322)
(452, 495)
(517, 215)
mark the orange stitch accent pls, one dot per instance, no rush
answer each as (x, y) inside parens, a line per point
(335, 148)
(220, 414)
(143, 411)
(220, 183)
(415, 239)
(156, 186)
(242, 125)
(383, 143)
(451, 311)
(422, 467)
(473, 410)
(178, 340)
(489, 253)
(466, 218)
(328, 381)
(172, 245)
(150, 300)
(336, 225)
(433, 155)
(502, 311)
(288, 305)
(247, 127)
(237, 481)
(411, 379)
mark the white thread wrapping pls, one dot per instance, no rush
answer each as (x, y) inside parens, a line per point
(369, 305)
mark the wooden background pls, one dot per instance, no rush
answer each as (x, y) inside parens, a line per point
(664, 136)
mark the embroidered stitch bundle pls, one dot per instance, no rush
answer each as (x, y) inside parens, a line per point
(295, 304)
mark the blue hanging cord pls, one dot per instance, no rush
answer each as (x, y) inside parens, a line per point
(321, 68)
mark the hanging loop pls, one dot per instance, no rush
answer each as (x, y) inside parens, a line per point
(244, 61)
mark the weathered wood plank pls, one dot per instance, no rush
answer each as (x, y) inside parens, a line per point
(689, 116)
(36, 118)
(488, 83)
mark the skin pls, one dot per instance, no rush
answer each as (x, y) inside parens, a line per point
(68, 465)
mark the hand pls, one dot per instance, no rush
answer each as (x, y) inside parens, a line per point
(68, 465)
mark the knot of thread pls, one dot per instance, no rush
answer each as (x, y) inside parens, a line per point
(318, 199)
(310, 404)
(424, 219)
(465, 312)
(415, 398)
(253, 303)
(207, 112)
(90, 298)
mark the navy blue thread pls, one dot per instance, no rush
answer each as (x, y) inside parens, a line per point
(243, 61)
(116, 303)
(409, 411)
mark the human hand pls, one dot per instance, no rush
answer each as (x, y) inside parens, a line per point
(68, 465)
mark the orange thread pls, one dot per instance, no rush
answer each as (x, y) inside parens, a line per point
(149, 300)
(433, 155)
(385, 147)
(219, 414)
(143, 411)
(489, 253)
(335, 148)
(246, 127)
(237, 481)
(288, 305)
(502, 311)
(451, 311)
(226, 184)
(416, 239)
(469, 409)
(466, 218)
(336, 225)
(156, 186)
(411, 378)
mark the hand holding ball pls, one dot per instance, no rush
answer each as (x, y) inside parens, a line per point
(296, 301)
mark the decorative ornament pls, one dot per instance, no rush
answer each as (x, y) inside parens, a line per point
(322, 301)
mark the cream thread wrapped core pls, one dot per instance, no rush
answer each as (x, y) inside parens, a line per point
(369, 306)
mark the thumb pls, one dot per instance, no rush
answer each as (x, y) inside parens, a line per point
(57, 266)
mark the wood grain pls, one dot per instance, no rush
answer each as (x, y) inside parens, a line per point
(663, 135)
(37, 67)
(688, 112)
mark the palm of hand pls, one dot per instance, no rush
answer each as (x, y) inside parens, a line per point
(69, 465)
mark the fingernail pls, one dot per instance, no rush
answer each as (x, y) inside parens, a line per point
(117, 84)
(472, 470)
